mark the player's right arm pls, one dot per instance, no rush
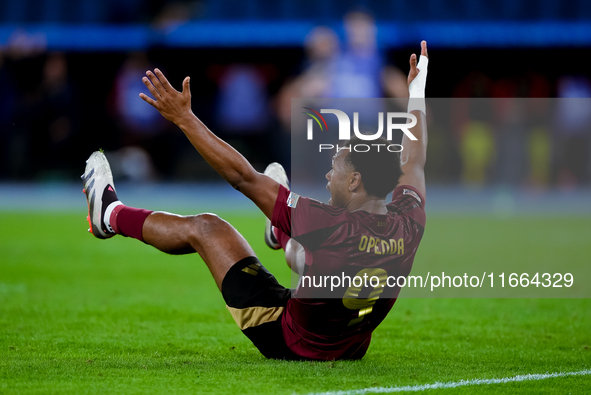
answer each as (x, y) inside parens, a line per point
(230, 164)
(414, 152)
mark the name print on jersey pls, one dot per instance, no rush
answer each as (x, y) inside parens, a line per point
(381, 247)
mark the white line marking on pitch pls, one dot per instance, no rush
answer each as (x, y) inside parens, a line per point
(423, 387)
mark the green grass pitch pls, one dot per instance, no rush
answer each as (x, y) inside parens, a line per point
(80, 315)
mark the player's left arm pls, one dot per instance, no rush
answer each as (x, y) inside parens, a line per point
(175, 106)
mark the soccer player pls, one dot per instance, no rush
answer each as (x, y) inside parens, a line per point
(357, 234)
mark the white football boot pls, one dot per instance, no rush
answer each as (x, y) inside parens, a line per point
(100, 194)
(277, 173)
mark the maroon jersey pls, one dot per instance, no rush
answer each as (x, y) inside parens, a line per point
(350, 247)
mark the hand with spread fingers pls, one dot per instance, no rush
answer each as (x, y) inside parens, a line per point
(175, 106)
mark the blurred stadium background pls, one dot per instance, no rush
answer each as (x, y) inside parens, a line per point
(70, 77)
(79, 317)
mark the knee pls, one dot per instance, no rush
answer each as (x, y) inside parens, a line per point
(295, 255)
(206, 224)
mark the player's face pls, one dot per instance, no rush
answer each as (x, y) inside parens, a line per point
(338, 180)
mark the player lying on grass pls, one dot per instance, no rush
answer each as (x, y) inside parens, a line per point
(357, 233)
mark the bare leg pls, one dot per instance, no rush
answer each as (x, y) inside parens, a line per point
(219, 243)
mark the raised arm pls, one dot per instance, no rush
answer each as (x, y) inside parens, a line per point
(414, 152)
(230, 164)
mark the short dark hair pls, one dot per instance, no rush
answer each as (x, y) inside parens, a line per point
(379, 169)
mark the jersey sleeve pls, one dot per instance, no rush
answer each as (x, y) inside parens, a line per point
(281, 218)
(306, 220)
(406, 200)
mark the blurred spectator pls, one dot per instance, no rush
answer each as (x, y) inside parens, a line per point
(510, 126)
(23, 45)
(136, 118)
(141, 126)
(357, 71)
(572, 131)
(322, 48)
(55, 127)
(539, 124)
(505, 139)
(477, 149)
(539, 156)
(471, 120)
(243, 102)
(175, 13)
